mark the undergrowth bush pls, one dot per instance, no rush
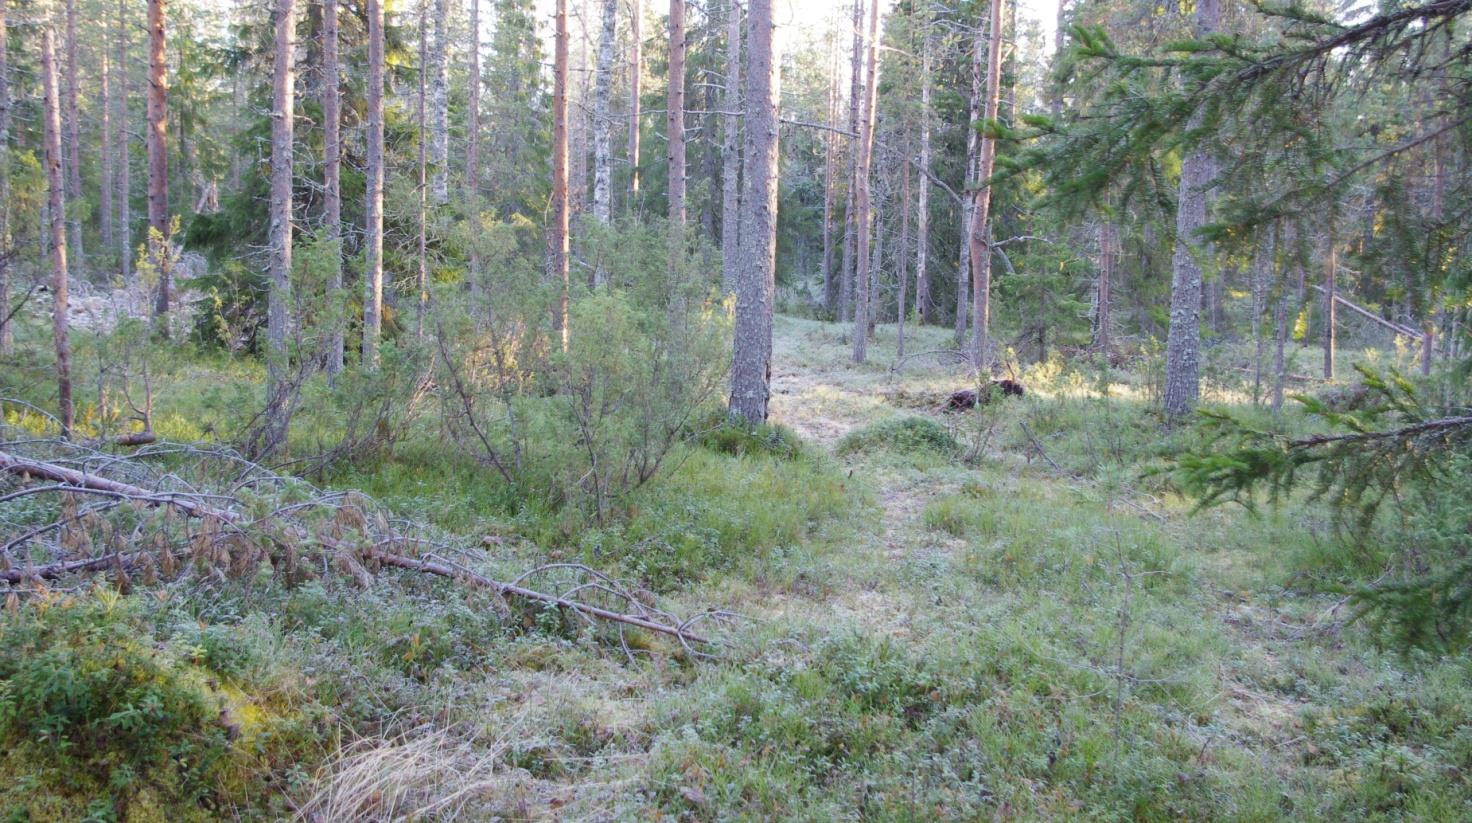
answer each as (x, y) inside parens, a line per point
(904, 436)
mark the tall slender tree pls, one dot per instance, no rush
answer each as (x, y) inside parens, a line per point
(158, 161)
(557, 230)
(602, 122)
(675, 130)
(439, 84)
(332, 174)
(830, 178)
(1183, 343)
(922, 198)
(56, 200)
(731, 151)
(124, 196)
(72, 140)
(373, 230)
(105, 218)
(283, 132)
(7, 337)
(472, 139)
(980, 240)
(855, 96)
(973, 157)
(751, 367)
(427, 137)
(862, 195)
(636, 76)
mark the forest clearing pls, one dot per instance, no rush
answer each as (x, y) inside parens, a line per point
(746, 410)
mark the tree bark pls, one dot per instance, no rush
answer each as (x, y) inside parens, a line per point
(1104, 287)
(902, 261)
(373, 230)
(636, 76)
(1262, 270)
(855, 98)
(472, 142)
(603, 125)
(731, 153)
(557, 232)
(332, 176)
(105, 135)
(751, 368)
(675, 129)
(56, 201)
(426, 140)
(981, 252)
(862, 197)
(73, 142)
(1183, 342)
(830, 179)
(1331, 266)
(439, 85)
(283, 95)
(159, 241)
(922, 205)
(7, 337)
(125, 167)
(968, 209)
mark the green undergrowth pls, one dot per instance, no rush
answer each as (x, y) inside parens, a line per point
(917, 438)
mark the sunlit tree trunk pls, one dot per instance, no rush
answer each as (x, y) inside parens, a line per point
(283, 130)
(731, 152)
(439, 89)
(373, 230)
(557, 231)
(855, 97)
(751, 368)
(56, 201)
(636, 76)
(332, 175)
(862, 205)
(158, 162)
(1183, 342)
(981, 253)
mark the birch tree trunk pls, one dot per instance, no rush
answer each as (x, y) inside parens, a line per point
(158, 162)
(1183, 342)
(603, 125)
(751, 366)
(73, 142)
(125, 167)
(968, 209)
(862, 215)
(636, 76)
(425, 140)
(283, 95)
(56, 203)
(439, 84)
(7, 338)
(557, 232)
(675, 129)
(981, 252)
(332, 176)
(731, 153)
(373, 229)
(922, 198)
(855, 98)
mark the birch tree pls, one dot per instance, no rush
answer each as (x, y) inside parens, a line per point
(751, 366)
(636, 76)
(283, 99)
(373, 230)
(862, 205)
(675, 130)
(440, 104)
(7, 337)
(158, 161)
(980, 239)
(855, 95)
(922, 197)
(602, 123)
(332, 175)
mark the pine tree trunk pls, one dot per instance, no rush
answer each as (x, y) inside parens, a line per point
(56, 207)
(863, 219)
(636, 76)
(283, 95)
(158, 162)
(830, 180)
(105, 135)
(922, 204)
(332, 176)
(124, 197)
(1104, 287)
(557, 232)
(472, 142)
(731, 152)
(902, 262)
(675, 129)
(7, 337)
(373, 230)
(1183, 342)
(1262, 270)
(751, 368)
(1331, 266)
(981, 253)
(73, 142)
(603, 125)
(439, 84)
(850, 236)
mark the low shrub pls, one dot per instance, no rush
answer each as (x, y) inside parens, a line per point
(907, 436)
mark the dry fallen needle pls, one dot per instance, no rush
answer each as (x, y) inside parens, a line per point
(235, 530)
